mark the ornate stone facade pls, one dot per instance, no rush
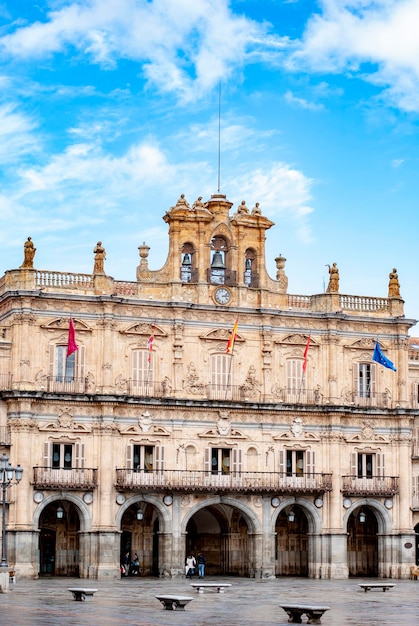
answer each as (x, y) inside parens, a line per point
(291, 455)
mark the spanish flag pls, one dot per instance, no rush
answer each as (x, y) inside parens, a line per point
(71, 342)
(230, 344)
(305, 354)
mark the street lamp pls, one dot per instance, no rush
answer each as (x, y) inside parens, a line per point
(9, 476)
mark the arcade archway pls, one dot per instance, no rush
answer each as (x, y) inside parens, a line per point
(291, 529)
(221, 533)
(59, 550)
(140, 535)
(362, 546)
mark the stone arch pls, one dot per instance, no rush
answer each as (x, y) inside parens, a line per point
(161, 509)
(249, 514)
(84, 512)
(384, 521)
(312, 513)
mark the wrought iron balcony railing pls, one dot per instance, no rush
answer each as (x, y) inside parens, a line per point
(370, 486)
(66, 384)
(199, 481)
(63, 478)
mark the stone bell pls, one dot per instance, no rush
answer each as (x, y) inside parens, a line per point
(217, 261)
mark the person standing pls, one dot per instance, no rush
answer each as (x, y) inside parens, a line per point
(190, 566)
(201, 565)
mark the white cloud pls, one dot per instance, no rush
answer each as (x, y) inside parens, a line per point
(16, 134)
(302, 102)
(375, 38)
(185, 46)
(281, 191)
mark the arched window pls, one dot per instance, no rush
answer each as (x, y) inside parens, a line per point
(188, 272)
(251, 278)
(220, 272)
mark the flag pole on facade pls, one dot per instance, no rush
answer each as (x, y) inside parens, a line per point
(304, 366)
(229, 350)
(71, 342)
(150, 350)
(380, 358)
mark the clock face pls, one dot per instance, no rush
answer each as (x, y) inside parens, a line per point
(222, 295)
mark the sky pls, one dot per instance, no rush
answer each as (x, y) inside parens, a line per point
(111, 109)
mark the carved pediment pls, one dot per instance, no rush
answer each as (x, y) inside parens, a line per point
(288, 436)
(70, 427)
(62, 323)
(144, 328)
(213, 433)
(296, 339)
(221, 334)
(364, 343)
(135, 429)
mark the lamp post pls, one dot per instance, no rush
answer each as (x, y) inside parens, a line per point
(9, 476)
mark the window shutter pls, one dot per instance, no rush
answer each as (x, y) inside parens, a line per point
(207, 460)
(354, 464)
(79, 453)
(52, 356)
(236, 461)
(415, 487)
(356, 374)
(129, 456)
(47, 455)
(380, 464)
(281, 466)
(80, 364)
(309, 465)
(159, 457)
(415, 442)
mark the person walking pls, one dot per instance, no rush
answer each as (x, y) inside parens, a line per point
(201, 560)
(190, 566)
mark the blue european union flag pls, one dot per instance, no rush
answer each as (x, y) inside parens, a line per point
(379, 357)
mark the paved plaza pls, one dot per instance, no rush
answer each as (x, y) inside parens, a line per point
(248, 602)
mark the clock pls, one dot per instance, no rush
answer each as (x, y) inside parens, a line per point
(222, 295)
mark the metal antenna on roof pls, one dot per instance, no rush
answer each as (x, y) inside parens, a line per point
(219, 135)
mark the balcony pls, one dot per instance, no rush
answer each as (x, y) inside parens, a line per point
(63, 478)
(370, 486)
(203, 481)
(63, 384)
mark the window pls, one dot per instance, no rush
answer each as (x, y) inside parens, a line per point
(223, 461)
(221, 376)
(220, 460)
(367, 464)
(296, 382)
(188, 272)
(365, 380)
(145, 458)
(142, 371)
(63, 455)
(296, 463)
(66, 372)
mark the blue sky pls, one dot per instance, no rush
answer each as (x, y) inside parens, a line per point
(109, 111)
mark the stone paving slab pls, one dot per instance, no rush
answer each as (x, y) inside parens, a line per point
(249, 602)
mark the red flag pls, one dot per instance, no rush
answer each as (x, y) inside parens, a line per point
(71, 344)
(230, 344)
(150, 344)
(305, 354)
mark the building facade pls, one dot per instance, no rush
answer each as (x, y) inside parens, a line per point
(206, 409)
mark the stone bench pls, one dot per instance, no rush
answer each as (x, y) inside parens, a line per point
(174, 603)
(219, 586)
(368, 586)
(82, 593)
(296, 611)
